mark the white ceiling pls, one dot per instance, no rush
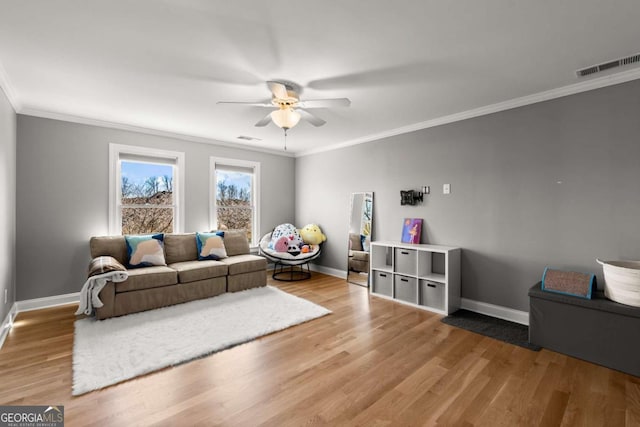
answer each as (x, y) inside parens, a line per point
(163, 65)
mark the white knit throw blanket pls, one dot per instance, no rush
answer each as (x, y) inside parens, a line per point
(89, 300)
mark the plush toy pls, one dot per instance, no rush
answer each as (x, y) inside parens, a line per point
(285, 238)
(312, 235)
(281, 245)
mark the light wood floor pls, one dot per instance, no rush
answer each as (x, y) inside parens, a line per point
(372, 362)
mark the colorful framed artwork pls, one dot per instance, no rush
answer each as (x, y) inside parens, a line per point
(411, 230)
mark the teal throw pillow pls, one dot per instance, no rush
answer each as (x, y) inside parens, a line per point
(211, 246)
(145, 250)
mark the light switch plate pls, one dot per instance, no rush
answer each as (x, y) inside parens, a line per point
(446, 188)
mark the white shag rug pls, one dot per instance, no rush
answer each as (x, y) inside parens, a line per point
(106, 352)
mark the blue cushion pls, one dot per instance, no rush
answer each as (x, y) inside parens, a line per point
(145, 250)
(581, 285)
(211, 245)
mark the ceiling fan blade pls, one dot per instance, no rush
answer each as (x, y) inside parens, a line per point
(255, 104)
(325, 103)
(314, 120)
(264, 121)
(278, 90)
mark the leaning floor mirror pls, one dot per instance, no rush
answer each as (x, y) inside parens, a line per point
(360, 227)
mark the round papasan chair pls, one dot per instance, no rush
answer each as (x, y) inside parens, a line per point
(288, 266)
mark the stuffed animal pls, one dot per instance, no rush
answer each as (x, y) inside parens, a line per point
(281, 245)
(312, 235)
(285, 238)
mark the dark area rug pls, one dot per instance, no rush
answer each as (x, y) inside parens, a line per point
(503, 330)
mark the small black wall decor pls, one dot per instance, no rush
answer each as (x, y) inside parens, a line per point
(410, 197)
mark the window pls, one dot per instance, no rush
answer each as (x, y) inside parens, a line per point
(235, 196)
(145, 189)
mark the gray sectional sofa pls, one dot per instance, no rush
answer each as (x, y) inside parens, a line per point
(183, 279)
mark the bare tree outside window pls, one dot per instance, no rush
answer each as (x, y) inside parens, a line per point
(147, 204)
(234, 208)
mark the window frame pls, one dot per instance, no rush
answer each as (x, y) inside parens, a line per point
(255, 193)
(115, 182)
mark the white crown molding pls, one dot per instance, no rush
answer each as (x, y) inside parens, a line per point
(46, 302)
(26, 111)
(7, 323)
(7, 88)
(584, 86)
(498, 311)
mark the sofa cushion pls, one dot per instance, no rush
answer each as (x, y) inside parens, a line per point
(236, 243)
(245, 264)
(191, 271)
(148, 277)
(113, 246)
(355, 242)
(179, 247)
(210, 246)
(145, 250)
(360, 256)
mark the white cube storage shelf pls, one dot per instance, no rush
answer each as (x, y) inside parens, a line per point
(406, 261)
(405, 288)
(424, 276)
(382, 283)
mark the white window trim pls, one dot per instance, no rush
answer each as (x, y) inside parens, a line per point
(115, 150)
(213, 218)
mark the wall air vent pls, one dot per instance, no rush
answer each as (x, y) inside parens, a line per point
(248, 138)
(608, 65)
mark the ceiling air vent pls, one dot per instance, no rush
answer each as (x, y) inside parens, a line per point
(248, 138)
(608, 65)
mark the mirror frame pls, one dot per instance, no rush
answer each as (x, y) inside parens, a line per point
(357, 277)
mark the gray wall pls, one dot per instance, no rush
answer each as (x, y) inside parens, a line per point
(550, 184)
(7, 204)
(62, 195)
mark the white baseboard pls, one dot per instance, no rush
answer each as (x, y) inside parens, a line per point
(34, 304)
(7, 323)
(340, 274)
(492, 310)
(46, 302)
(498, 311)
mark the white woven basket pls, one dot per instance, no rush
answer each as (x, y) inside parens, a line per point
(622, 281)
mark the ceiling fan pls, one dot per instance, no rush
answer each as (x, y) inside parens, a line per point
(289, 108)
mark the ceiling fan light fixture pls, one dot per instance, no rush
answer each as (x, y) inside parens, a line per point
(285, 118)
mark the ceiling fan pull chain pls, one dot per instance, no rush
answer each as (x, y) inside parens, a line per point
(285, 139)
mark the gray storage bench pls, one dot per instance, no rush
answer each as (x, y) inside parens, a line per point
(597, 330)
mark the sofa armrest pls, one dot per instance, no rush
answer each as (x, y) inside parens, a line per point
(104, 264)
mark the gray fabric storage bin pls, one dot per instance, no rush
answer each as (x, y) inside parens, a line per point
(406, 261)
(382, 283)
(432, 294)
(406, 288)
(597, 330)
